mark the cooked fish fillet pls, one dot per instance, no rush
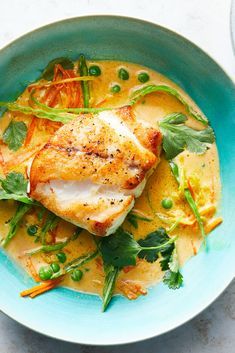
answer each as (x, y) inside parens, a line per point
(93, 168)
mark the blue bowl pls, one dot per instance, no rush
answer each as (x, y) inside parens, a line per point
(76, 317)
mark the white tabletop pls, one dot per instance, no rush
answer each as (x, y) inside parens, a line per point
(206, 23)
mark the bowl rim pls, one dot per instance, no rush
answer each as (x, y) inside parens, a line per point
(173, 33)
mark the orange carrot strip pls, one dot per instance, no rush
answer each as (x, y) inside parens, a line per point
(191, 188)
(40, 287)
(213, 224)
(43, 290)
(30, 131)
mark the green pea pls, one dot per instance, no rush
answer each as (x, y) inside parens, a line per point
(45, 273)
(143, 77)
(55, 267)
(77, 275)
(32, 229)
(115, 89)
(61, 256)
(167, 203)
(123, 74)
(94, 70)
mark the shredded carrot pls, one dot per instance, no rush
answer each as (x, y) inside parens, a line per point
(213, 224)
(41, 288)
(207, 209)
(30, 131)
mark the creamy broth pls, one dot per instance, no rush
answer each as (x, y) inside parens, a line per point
(202, 171)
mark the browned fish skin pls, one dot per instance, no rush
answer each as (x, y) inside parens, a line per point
(112, 151)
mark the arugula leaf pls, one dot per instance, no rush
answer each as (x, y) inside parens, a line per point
(111, 274)
(14, 187)
(173, 280)
(15, 223)
(15, 134)
(177, 137)
(132, 218)
(48, 72)
(154, 239)
(138, 94)
(121, 249)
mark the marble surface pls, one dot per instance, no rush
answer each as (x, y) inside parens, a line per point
(205, 22)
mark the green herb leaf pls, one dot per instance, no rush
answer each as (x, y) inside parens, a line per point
(15, 134)
(111, 274)
(14, 187)
(178, 137)
(142, 92)
(48, 72)
(155, 239)
(15, 223)
(173, 280)
(119, 249)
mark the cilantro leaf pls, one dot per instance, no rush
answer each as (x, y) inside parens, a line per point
(173, 280)
(178, 137)
(48, 72)
(155, 239)
(15, 134)
(119, 249)
(14, 187)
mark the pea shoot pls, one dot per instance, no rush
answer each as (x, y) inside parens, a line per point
(45, 273)
(115, 89)
(143, 77)
(94, 70)
(167, 203)
(76, 275)
(61, 256)
(32, 230)
(123, 74)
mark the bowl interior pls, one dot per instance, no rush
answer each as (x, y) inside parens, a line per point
(77, 317)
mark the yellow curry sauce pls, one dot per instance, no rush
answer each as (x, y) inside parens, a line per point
(202, 172)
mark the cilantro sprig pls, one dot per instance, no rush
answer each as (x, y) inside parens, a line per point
(14, 187)
(15, 134)
(177, 137)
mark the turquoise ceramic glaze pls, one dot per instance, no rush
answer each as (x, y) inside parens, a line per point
(77, 317)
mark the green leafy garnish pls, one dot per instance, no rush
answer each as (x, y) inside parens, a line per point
(48, 72)
(189, 198)
(133, 218)
(14, 187)
(15, 134)
(142, 92)
(121, 249)
(177, 137)
(173, 280)
(111, 274)
(15, 223)
(156, 239)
